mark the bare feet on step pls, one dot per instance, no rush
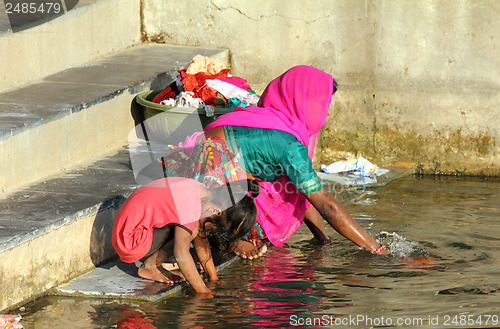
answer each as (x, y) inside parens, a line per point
(246, 249)
(152, 269)
(159, 274)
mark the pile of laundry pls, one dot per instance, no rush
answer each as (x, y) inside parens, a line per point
(206, 83)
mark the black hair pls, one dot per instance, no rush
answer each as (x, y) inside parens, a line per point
(239, 210)
(335, 85)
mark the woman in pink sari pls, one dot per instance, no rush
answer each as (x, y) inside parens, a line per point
(273, 142)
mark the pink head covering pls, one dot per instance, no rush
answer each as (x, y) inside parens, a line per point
(295, 102)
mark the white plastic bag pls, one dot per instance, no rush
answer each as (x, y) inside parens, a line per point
(359, 166)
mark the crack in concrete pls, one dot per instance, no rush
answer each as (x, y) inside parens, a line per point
(267, 16)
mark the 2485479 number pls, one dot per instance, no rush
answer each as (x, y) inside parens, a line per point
(33, 8)
(470, 320)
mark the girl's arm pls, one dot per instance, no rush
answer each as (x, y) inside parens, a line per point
(202, 247)
(182, 241)
(341, 221)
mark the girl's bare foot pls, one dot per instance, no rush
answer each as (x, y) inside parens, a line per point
(159, 274)
(246, 249)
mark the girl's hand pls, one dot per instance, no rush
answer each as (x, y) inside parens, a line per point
(215, 284)
(206, 294)
(182, 241)
(191, 293)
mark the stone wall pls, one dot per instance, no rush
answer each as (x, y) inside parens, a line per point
(419, 80)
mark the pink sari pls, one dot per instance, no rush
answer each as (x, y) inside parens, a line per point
(295, 102)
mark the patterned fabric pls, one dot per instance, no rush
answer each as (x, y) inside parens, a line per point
(213, 164)
(210, 162)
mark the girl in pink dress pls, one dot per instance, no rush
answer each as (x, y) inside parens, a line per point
(162, 218)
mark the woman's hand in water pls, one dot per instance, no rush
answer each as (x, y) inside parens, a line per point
(382, 250)
(247, 250)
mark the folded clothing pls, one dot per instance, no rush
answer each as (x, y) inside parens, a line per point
(237, 81)
(359, 166)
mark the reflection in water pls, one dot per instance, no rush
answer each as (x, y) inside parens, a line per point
(282, 287)
(132, 319)
(449, 227)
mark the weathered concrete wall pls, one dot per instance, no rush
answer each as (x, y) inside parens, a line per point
(36, 266)
(419, 80)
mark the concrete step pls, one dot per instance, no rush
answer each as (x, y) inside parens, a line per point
(82, 112)
(119, 281)
(90, 30)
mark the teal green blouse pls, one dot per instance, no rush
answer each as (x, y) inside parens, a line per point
(270, 154)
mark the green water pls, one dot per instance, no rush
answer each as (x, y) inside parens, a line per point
(449, 228)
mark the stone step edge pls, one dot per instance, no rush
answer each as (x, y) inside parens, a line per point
(81, 35)
(119, 281)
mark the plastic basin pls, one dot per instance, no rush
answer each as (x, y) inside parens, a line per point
(171, 125)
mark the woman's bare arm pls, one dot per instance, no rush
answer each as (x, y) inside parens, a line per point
(341, 221)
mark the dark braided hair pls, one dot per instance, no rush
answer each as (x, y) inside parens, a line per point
(239, 211)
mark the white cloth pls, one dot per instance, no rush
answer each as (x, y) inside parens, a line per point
(186, 99)
(229, 90)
